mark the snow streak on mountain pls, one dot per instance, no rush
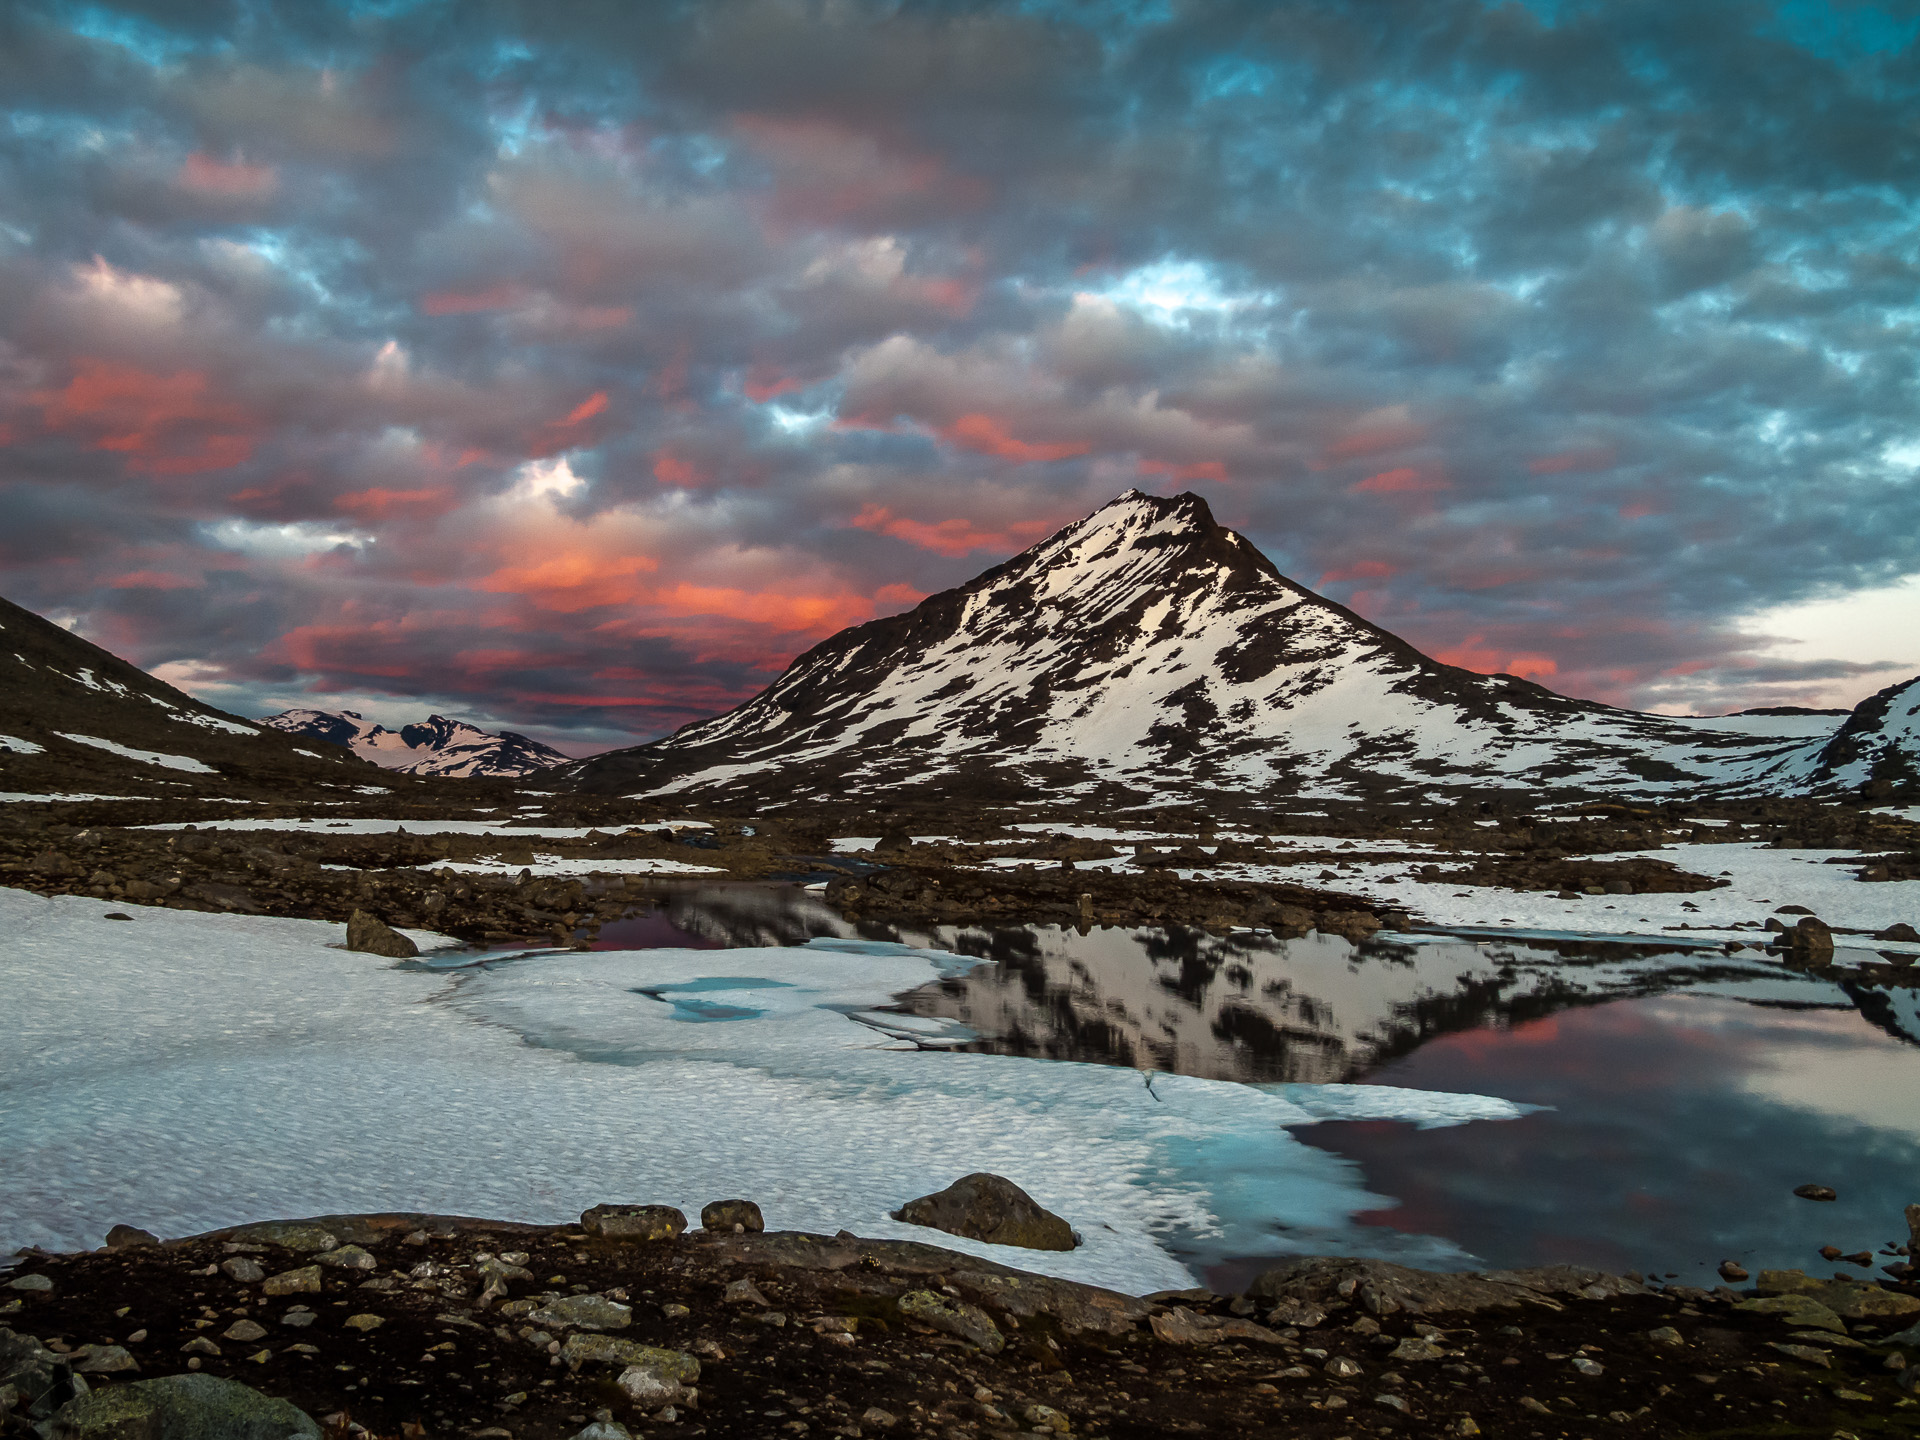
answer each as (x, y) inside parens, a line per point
(1148, 654)
(439, 746)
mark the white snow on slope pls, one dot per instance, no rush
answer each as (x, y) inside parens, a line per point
(1760, 880)
(580, 867)
(1125, 647)
(20, 747)
(188, 1071)
(146, 757)
(496, 829)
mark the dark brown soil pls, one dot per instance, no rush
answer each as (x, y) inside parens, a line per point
(440, 1363)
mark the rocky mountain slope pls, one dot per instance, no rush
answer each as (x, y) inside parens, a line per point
(75, 719)
(438, 746)
(1147, 654)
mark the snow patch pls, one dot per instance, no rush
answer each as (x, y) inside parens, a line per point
(145, 757)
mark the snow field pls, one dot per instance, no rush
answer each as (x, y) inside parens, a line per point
(187, 1071)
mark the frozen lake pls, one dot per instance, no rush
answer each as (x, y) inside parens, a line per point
(1192, 1104)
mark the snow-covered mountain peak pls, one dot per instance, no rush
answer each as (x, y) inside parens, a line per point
(435, 746)
(1147, 653)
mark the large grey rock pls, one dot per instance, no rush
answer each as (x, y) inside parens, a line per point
(582, 1312)
(1384, 1288)
(955, 1317)
(373, 935)
(634, 1222)
(128, 1237)
(732, 1216)
(182, 1407)
(578, 1350)
(991, 1208)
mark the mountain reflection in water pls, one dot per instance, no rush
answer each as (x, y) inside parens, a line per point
(1245, 1007)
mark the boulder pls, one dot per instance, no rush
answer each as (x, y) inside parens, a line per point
(677, 1365)
(634, 1222)
(733, 1217)
(374, 936)
(304, 1281)
(1381, 1287)
(953, 1317)
(993, 1209)
(181, 1407)
(127, 1237)
(581, 1312)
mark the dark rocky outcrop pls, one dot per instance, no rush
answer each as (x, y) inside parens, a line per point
(993, 1209)
(374, 936)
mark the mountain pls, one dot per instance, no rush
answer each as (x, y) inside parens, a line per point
(439, 746)
(75, 719)
(1878, 748)
(1147, 654)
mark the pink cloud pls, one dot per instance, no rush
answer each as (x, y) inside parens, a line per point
(227, 180)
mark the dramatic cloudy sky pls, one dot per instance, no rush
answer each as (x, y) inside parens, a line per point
(573, 365)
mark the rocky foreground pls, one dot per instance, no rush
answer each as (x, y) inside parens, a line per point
(415, 1325)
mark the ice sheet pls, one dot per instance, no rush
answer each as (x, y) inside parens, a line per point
(188, 1070)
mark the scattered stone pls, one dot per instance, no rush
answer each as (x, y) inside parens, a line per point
(1393, 1402)
(199, 1345)
(744, 1292)
(993, 1209)
(101, 1360)
(1732, 1271)
(634, 1222)
(374, 936)
(588, 1349)
(304, 1281)
(244, 1269)
(878, 1419)
(650, 1386)
(1341, 1368)
(582, 1312)
(1415, 1348)
(348, 1257)
(243, 1331)
(298, 1319)
(1804, 1353)
(1668, 1336)
(1045, 1417)
(1816, 1192)
(127, 1237)
(31, 1284)
(364, 1322)
(1592, 1369)
(954, 1317)
(182, 1407)
(1301, 1314)
(732, 1217)
(603, 1427)
(674, 1311)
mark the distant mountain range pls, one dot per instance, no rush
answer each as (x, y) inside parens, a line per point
(437, 746)
(1147, 654)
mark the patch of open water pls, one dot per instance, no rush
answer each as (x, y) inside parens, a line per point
(1678, 1094)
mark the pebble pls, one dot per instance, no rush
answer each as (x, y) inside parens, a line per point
(247, 1272)
(243, 1331)
(1045, 1417)
(365, 1322)
(1589, 1368)
(1341, 1368)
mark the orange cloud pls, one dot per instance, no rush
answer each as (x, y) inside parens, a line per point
(1360, 570)
(1404, 481)
(168, 424)
(227, 180)
(763, 384)
(816, 614)
(1372, 439)
(1201, 470)
(670, 469)
(947, 537)
(1475, 654)
(1592, 458)
(988, 436)
(826, 172)
(572, 581)
(587, 408)
(382, 504)
(504, 296)
(155, 580)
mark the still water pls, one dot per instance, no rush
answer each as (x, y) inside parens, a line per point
(1681, 1095)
